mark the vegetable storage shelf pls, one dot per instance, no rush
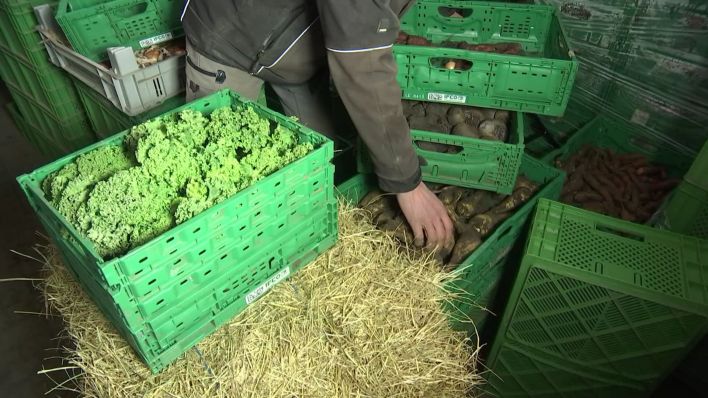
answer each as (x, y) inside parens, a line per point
(479, 163)
(94, 26)
(599, 307)
(478, 277)
(132, 89)
(538, 81)
(167, 294)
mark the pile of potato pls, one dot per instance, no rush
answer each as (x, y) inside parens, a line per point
(475, 214)
(625, 186)
(465, 121)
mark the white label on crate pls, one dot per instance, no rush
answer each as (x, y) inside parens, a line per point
(440, 97)
(267, 285)
(155, 39)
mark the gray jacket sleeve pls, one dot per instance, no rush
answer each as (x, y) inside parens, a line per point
(358, 36)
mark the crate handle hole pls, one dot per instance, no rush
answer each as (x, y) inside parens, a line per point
(454, 12)
(620, 233)
(438, 147)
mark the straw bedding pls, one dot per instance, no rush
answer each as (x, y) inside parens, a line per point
(363, 320)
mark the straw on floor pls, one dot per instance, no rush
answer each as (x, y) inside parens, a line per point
(363, 320)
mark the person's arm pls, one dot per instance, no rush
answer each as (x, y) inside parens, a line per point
(359, 36)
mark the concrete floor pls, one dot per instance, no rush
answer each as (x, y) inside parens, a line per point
(26, 339)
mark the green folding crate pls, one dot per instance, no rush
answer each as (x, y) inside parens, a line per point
(48, 86)
(623, 137)
(598, 299)
(29, 132)
(92, 27)
(167, 294)
(52, 135)
(479, 275)
(686, 210)
(538, 82)
(698, 173)
(18, 34)
(107, 120)
(480, 164)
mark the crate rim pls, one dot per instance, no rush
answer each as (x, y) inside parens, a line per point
(28, 181)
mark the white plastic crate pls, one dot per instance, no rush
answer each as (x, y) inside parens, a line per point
(131, 89)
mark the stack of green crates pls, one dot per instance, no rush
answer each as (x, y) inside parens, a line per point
(47, 109)
(107, 120)
(167, 294)
(600, 307)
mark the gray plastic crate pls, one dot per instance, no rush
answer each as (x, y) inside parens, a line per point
(131, 89)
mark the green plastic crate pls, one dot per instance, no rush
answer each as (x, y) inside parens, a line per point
(167, 294)
(698, 173)
(479, 275)
(597, 297)
(685, 211)
(623, 137)
(91, 27)
(52, 135)
(48, 86)
(18, 34)
(29, 132)
(480, 164)
(539, 82)
(107, 120)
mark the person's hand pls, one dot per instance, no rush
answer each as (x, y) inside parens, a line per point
(427, 217)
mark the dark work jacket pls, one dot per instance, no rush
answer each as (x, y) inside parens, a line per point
(352, 37)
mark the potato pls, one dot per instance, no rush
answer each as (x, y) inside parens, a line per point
(399, 228)
(413, 108)
(473, 116)
(502, 115)
(475, 202)
(384, 217)
(450, 194)
(485, 223)
(418, 123)
(493, 129)
(516, 199)
(489, 113)
(375, 195)
(437, 109)
(466, 244)
(465, 130)
(455, 115)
